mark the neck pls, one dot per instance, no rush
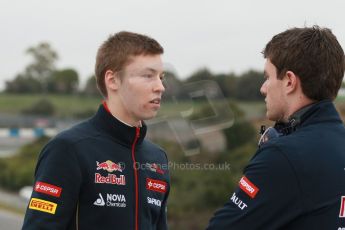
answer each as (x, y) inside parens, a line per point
(120, 114)
(296, 105)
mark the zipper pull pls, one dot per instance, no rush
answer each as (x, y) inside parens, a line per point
(262, 129)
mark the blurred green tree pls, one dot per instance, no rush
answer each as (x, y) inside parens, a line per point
(34, 78)
(173, 87)
(205, 189)
(200, 74)
(43, 107)
(249, 84)
(18, 170)
(228, 84)
(43, 63)
(63, 81)
(91, 87)
(23, 84)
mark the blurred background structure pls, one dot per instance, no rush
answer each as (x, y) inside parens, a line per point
(212, 109)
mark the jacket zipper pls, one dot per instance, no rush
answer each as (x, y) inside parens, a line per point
(77, 217)
(136, 185)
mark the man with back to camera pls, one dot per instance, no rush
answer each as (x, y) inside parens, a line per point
(88, 177)
(296, 179)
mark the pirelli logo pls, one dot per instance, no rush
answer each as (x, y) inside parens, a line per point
(42, 205)
(248, 187)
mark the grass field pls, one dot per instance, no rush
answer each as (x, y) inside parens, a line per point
(65, 105)
(69, 105)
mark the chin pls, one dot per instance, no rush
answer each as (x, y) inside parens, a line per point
(148, 116)
(271, 117)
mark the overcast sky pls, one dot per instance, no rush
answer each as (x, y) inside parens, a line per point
(223, 35)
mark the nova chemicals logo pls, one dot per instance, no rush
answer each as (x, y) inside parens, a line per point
(99, 201)
(112, 200)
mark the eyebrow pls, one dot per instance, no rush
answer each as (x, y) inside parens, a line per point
(153, 70)
(161, 73)
(265, 74)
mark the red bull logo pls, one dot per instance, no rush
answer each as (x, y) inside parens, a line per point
(110, 179)
(109, 166)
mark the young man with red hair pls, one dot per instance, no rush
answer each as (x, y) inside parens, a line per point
(103, 173)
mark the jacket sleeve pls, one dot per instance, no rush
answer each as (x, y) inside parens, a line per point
(162, 222)
(163, 219)
(267, 195)
(54, 199)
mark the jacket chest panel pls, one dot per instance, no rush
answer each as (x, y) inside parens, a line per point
(108, 183)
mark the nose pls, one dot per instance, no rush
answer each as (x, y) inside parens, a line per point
(263, 89)
(159, 87)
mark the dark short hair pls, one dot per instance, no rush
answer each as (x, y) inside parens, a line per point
(115, 53)
(314, 55)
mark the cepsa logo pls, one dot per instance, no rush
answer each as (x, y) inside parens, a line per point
(47, 189)
(248, 187)
(42, 205)
(156, 185)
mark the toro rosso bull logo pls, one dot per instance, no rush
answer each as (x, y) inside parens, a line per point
(154, 168)
(109, 166)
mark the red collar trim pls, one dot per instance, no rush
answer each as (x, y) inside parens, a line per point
(106, 106)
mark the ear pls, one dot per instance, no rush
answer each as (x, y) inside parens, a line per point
(291, 82)
(112, 80)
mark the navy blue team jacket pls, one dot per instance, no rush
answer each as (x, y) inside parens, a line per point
(100, 174)
(296, 181)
